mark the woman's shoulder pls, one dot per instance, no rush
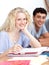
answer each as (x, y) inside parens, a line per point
(3, 33)
(3, 37)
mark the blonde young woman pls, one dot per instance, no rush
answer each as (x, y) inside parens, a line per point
(14, 34)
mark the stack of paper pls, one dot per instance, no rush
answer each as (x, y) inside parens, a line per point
(30, 51)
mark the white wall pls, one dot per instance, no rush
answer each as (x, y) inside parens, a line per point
(7, 5)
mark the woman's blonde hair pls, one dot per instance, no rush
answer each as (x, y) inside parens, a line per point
(10, 21)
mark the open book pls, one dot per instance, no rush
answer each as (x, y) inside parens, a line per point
(30, 51)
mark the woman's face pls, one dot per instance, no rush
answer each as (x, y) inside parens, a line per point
(20, 21)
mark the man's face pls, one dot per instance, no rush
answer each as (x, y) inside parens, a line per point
(39, 19)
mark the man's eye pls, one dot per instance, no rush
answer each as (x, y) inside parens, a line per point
(38, 16)
(44, 17)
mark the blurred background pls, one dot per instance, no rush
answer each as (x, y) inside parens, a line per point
(30, 5)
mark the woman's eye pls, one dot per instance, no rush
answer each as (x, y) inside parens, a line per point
(19, 19)
(24, 19)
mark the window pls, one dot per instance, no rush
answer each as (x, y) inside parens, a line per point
(47, 4)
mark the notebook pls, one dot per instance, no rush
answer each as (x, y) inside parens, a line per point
(29, 52)
(16, 62)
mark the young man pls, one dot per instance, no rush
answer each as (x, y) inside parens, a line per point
(37, 27)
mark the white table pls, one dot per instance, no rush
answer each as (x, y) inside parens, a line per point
(33, 60)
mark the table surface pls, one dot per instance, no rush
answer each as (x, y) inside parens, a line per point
(45, 63)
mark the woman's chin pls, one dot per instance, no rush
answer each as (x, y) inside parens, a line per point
(22, 28)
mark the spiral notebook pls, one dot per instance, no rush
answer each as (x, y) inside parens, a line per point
(29, 52)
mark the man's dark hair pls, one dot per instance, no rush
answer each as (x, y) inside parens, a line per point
(39, 10)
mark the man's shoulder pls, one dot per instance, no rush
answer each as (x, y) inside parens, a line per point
(43, 26)
(31, 28)
(31, 25)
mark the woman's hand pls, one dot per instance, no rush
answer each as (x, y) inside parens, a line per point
(15, 49)
(25, 28)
